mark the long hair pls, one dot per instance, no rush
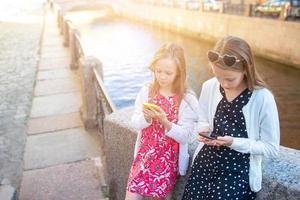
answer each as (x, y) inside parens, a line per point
(238, 47)
(176, 53)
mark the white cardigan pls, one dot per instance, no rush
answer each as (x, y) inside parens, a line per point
(180, 132)
(262, 126)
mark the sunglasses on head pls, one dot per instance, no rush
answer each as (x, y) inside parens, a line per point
(228, 60)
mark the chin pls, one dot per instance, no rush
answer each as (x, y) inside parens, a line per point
(163, 84)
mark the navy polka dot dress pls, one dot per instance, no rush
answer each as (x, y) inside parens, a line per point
(221, 172)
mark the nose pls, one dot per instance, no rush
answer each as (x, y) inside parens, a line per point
(162, 77)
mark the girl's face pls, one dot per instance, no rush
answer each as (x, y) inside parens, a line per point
(165, 72)
(229, 80)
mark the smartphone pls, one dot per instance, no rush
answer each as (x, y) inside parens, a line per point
(208, 136)
(151, 106)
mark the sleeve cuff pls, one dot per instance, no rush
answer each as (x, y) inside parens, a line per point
(242, 145)
(177, 134)
(144, 123)
(234, 144)
(171, 132)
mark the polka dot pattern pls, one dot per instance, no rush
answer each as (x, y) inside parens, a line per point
(221, 172)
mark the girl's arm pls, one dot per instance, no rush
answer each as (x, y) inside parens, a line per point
(269, 131)
(138, 120)
(181, 131)
(203, 118)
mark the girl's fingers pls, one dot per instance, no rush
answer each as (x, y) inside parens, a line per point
(221, 141)
(201, 139)
(212, 142)
(149, 113)
(146, 111)
(208, 141)
(225, 141)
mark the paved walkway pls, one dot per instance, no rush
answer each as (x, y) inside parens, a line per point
(61, 160)
(20, 31)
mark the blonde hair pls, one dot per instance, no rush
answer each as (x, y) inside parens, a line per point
(238, 47)
(176, 53)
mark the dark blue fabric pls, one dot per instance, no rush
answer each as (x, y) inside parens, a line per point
(221, 172)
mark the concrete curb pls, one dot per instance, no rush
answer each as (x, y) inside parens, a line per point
(7, 192)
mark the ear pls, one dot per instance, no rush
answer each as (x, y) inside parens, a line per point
(212, 68)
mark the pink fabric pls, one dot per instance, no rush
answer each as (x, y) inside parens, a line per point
(155, 167)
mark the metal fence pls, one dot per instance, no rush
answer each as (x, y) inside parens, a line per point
(96, 101)
(285, 11)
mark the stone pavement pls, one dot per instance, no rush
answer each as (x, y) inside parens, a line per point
(62, 160)
(20, 33)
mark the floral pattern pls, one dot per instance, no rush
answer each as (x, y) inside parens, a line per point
(155, 167)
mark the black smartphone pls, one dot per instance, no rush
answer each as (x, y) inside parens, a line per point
(208, 136)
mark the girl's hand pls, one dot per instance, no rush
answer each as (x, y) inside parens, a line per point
(207, 141)
(160, 115)
(162, 118)
(148, 115)
(203, 139)
(221, 141)
(224, 141)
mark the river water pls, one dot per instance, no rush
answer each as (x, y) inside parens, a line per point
(126, 48)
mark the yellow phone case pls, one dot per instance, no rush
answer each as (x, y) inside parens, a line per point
(151, 106)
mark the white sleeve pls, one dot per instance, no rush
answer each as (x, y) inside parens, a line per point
(269, 131)
(137, 120)
(187, 117)
(203, 118)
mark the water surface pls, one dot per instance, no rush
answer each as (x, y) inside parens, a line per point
(126, 48)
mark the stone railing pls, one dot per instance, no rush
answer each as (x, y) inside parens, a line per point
(281, 175)
(71, 36)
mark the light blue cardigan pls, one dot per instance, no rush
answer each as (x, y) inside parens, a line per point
(180, 132)
(262, 126)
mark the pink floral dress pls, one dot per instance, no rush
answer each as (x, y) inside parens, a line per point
(155, 166)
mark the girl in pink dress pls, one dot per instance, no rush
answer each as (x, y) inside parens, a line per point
(161, 151)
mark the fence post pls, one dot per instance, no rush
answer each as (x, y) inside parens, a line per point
(88, 110)
(284, 12)
(201, 6)
(248, 10)
(58, 16)
(66, 34)
(50, 2)
(72, 44)
(60, 20)
(221, 7)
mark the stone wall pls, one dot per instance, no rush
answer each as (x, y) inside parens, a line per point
(119, 140)
(273, 39)
(281, 176)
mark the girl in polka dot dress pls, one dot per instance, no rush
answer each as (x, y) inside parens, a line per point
(161, 151)
(235, 107)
